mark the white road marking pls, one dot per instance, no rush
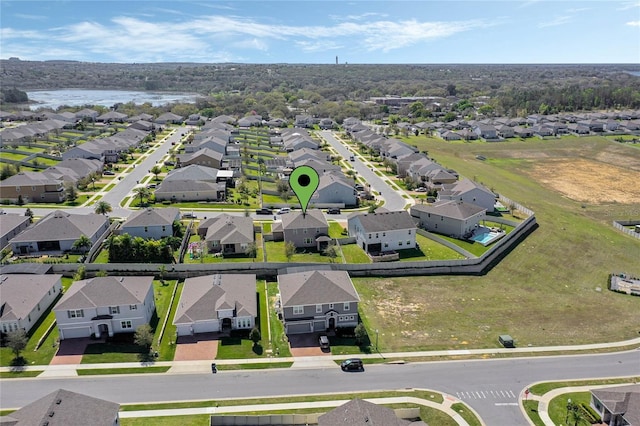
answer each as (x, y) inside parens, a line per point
(506, 403)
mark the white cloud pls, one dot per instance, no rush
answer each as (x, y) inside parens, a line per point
(558, 20)
(629, 5)
(633, 23)
(32, 17)
(360, 17)
(318, 46)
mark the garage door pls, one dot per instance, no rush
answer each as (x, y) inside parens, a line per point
(74, 333)
(298, 328)
(206, 326)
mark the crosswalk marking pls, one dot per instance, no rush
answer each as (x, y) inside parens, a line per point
(487, 394)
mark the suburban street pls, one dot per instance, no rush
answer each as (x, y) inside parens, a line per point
(491, 387)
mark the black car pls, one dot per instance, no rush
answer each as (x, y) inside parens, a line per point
(352, 364)
(264, 210)
(333, 211)
(108, 173)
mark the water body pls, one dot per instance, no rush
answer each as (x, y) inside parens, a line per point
(79, 97)
(636, 73)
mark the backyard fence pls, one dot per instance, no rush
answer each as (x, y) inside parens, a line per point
(508, 203)
(621, 225)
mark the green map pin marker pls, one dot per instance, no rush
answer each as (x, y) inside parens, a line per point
(304, 181)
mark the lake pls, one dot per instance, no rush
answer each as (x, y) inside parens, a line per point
(79, 97)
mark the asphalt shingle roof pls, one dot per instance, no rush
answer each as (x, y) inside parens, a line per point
(21, 293)
(453, 209)
(62, 226)
(105, 291)
(313, 287)
(152, 217)
(387, 221)
(358, 412)
(312, 219)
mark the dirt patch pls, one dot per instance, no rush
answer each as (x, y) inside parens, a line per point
(589, 181)
(203, 346)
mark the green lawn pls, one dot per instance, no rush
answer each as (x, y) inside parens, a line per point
(18, 374)
(552, 277)
(167, 345)
(429, 250)
(470, 246)
(12, 156)
(275, 253)
(354, 254)
(557, 408)
(279, 341)
(135, 370)
(335, 230)
(195, 420)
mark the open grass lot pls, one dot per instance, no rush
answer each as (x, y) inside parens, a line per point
(545, 292)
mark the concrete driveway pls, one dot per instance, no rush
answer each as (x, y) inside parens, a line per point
(70, 351)
(201, 346)
(305, 345)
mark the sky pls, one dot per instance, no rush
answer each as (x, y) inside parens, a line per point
(316, 32)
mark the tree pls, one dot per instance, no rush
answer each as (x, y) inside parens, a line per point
(102, 273)
(361, 334)
(142, 192)
(162, 270)
(17, 341)
(80, 274)
(156, 170)
(144, 336)
(103, 207)
(331, 251)
(289, 250)
(29, 213)
(251, 250)
(255, 336)
(83, 244)
(70, 192)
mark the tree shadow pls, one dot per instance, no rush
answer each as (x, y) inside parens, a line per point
(257, 349)
(18, 361)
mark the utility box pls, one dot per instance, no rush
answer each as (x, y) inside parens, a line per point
(506, 341)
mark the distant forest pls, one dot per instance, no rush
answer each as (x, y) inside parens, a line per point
(230, 88)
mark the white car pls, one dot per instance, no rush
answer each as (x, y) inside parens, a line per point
(284, 210)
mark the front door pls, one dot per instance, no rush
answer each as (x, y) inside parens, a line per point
(332, 323)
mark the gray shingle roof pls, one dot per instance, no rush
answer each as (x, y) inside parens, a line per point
(193, 172)
(9, 222)
(453, 209)
(66, 408)
(358, 412)
(313, 219)
(314, 287)
(228, 229)
(202, 296)
(61, 226)
(623, 400)
(387, 221)
(105, 291)
(153, 217)
(21, 293)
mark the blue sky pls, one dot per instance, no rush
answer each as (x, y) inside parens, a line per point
(302, 31)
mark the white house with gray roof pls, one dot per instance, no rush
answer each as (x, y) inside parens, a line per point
(56, 232)
(380, 232)
(10, 226)
(214, 303)
(453, 218)
(227, 234)
(24, 298)
(469, 191)
(65, 408)
(310, 230)
(316, 301)
(334, 190)
(105, 306)
(151, 223)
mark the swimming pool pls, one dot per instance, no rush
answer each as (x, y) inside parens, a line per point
(487, 238)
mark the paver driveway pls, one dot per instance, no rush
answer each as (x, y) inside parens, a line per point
(70, 351)
(305, 345)
(202, 346)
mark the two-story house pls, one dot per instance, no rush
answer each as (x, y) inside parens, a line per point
(215, 303)
(303, 230)
(103, 306)
(469, 191)
(452, 218)
(32, 187)
(380, 232)
(316, 301)
(151, 223)
(24, 298)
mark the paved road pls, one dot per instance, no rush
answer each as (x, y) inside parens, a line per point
(393, 199)
(489, 386)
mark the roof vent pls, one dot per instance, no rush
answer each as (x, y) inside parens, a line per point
(51, 413)
(58, 401)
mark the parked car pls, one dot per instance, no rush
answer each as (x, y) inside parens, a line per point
(189, 216)
(264, 210)
(352, 364)
(333, 211)
(323, 340)
(284, 210)
(108, 173)
(421, 189)
(152, 186)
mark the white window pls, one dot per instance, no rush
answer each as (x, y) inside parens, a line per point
(125, 324)
(318, 309)
(164, 228)
(346, 306)
(308, 240)
(409, 231)
(113, 310)
(298, 310)
(133, 307)
(399, 243)
(75, 313)
(408, 242)
(330, 305)
(386, 244)
(4, 328)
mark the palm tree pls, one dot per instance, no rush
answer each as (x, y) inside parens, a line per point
(83, 243)
(141, 192)
(156, 170)
(102, 207)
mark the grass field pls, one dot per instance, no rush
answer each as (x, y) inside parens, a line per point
(552, 288)
(275, 253)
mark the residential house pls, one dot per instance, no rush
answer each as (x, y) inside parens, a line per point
(308, 154)
(104, 306)
(617, 406)
(204, 157)
(454, 218)
(316, 301)
(217, 303)
(192, 183)
(380, 232)
(24, 298)
(542, 130)
(321, 167)
(327, 123)
(10, 226)
(57, 231)
(310, 230)
(195, 120)
(169, 118)
(448, 135)
(505, 131)
(486, 131)
(143, 117)
(151, 223)
(359, 412)
(87, 114)
(32, 187)
(334, 190)
(470, 192)
(250, 121)
(522, 132)
(112, 117)
(143, 125)
(227, 234)
(303, 120)
(65, 408)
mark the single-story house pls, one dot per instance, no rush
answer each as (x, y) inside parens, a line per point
(617, 406)
(361, 412)
(227, 234)
(169, 117)
(380, 232)
(214, 303)
(203, 157)
(10, 226)
(453, 218)
(310, 230)
(151, 223)
(63, 407)
(315, 301)
(105, 306)
(57, 231)
(334, 189)
(24, 298)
